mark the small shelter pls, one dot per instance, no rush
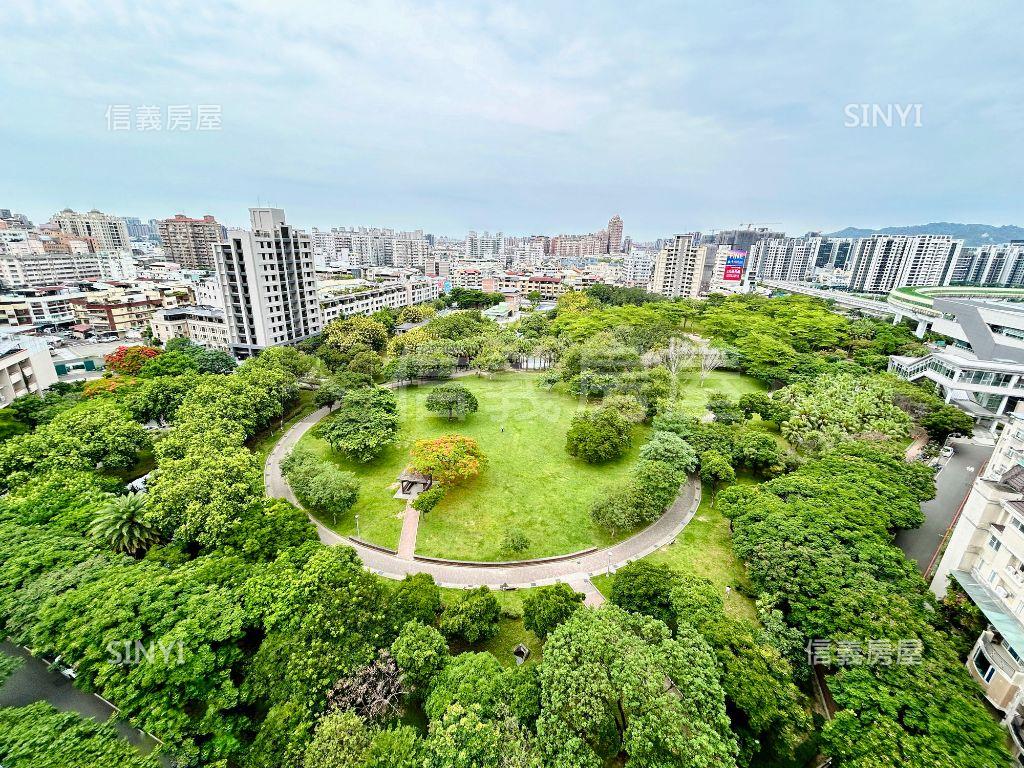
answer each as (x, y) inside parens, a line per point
(413, 482)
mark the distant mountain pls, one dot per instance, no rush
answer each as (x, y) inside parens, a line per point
(971, 234)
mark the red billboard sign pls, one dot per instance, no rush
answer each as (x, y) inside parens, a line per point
(733, 273)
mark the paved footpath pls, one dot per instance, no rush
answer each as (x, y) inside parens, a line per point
(576, 570)
(410, 526)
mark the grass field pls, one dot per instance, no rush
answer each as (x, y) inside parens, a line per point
(530, 483)
(704, 548)
(693, 397)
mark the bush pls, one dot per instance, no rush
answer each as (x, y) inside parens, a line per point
(599, 435)
(515, 541)
(428, 499)
(320, 485)
(547, 607)
(671, 449)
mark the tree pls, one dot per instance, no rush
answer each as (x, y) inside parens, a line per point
(762, 404)
(945, 421)
(121, 525)
(426, 500)
(615, 687)
(472, 616)
(547, 607)
(598, 435)
(711, 358)
(320, 484)
(128, 361)
(329, 394)
(724, 408)
(374, 691)
(365, 424)
(643, 587)
(454, 400)
(449, 459)
(421, 653)
(341, 738)
(627, 406)
(469, 680)
(670, 448)
(715, 470)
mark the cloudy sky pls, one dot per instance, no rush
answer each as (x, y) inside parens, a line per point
(527, 117)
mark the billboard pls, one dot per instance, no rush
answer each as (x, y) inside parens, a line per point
(736, 260)
(733, 273)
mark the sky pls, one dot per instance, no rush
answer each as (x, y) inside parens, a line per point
(524, 117)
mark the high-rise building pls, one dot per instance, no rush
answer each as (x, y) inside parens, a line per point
(884, 262)
(110, 233)
(615, 234)
(14, 220)
(996, 265)
(268, 281)
(483, 247)
(137, 230)
(791, 258)
(744, 239)
(677, 268)
(190, 242)
(24, 269)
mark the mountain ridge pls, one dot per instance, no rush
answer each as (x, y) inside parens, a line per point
(971, 234)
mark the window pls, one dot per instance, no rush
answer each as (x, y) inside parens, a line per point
(994, 544)
(1017, 523)
(983, 665)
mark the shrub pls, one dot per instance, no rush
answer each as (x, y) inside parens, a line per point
(515, 541)
(547, 607)
(472, 617)
(428, 499)
(320, 485)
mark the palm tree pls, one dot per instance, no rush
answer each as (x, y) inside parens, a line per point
(120, 525)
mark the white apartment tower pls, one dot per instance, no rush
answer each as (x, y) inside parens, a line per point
(677, 269)
(884, 262)
(109, 232)
(791, 259)
(268, 282)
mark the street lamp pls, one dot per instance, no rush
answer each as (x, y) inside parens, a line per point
(357, 527)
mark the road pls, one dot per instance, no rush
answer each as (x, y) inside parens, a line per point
(952, 483)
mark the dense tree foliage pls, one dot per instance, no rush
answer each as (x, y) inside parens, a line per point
(319, 484)
(364, 425)
(598, 435)
(547, 607)
(448, 459)
(453, 400)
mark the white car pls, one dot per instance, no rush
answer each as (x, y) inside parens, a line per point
(947, 452)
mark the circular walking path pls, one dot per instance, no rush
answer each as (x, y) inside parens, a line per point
(575, 571)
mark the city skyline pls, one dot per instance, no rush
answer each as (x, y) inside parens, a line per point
(526, 119)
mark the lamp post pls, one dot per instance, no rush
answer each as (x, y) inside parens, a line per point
(357, 527)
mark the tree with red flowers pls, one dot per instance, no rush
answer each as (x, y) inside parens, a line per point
(448, 459)
(128, 361)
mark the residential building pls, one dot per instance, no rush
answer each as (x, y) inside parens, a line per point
(19, 270)
(791, 258)
(14, 220)
(340, 298)
(123, 310)
(637, 267)
(139, 231)
(982, 372)
(884, 262)
(996, 265)
(191, 242)
(744, 239)
(615, 234)
(109, 232)
(38, 307)
(201, 325)
(676, 268)
(268, 281)
(985, 556)
(483, 247)
(25, 367)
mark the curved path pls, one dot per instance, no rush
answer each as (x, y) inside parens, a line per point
(575, 571)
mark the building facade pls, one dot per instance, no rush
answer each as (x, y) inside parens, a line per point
(205, 326)
(41, 269)
(109, 232)
(268, 281)
(190, 242)
(405, 290)
(25, 367)
(615, 234)
(678, 269)
(884, 262)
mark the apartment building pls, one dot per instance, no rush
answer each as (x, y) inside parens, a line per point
(25, 367)
(744, 239)
(615, 234)
(637, 267)
(121, 309)
(38, 307)
(985, 556)
(109, 232)
(201, 325)
(190, 242)
(337, 299)
(21, 270)
(990, 265)
(792, 258)
(884, 262)
(678, 270)
(268, 281)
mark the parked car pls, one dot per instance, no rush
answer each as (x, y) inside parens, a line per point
(947, 452)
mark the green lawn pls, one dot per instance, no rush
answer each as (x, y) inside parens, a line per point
(530, 483)
(704, 548)
(693, 397)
